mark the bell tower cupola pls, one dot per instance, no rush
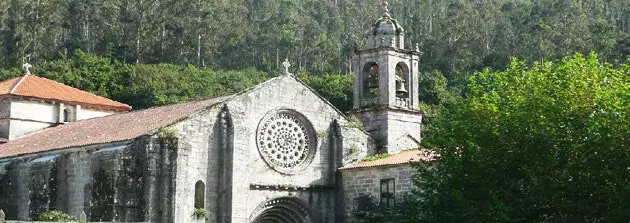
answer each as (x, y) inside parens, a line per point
(385, 86)
(386, 31)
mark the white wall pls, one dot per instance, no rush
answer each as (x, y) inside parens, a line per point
(19, 128)
(28, 116)
(90, 113)
(34, 110)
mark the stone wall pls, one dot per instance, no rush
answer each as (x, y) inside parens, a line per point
(394, 130)
(115, 182)
(198, 160)
(363, 183)
(255, 180)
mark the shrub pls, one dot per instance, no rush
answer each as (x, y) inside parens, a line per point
(58, 216)
(201, 213)
(376, 157)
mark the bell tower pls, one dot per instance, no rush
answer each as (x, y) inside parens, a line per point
(385, 86)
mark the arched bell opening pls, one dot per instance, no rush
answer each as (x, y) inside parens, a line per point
(370, 83)
(402, 80)
(283, 210)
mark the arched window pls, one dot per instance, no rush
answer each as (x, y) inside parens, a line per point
(370, 83)
(200, 189)
(66, 115)
(402, 80)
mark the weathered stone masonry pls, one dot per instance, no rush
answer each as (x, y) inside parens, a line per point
(112, 183)
(365, 183)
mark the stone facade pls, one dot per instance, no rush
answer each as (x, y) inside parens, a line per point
(219, 148)
(362, 186)
(316, 182)
(115, 182)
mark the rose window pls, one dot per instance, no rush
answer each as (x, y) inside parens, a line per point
(286, 141)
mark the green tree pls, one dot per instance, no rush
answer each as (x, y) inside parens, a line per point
(535, 143)
(88, 72)
(337, 89)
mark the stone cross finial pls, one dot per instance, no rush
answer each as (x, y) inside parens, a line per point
(286, 66)
(385, 6)
(26, 65)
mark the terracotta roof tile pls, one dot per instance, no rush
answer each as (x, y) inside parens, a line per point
(404, 157)
(42, 88)
(113, 128)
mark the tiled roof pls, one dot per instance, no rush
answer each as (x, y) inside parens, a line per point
(404, 157)
(113, 128)
(42, 88)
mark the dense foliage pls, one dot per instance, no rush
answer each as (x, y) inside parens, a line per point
(180, 50)
(457, 36)
(142, 85)
(535, 143)
(337, 89)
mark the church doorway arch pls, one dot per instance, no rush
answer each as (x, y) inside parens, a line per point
(284, 210)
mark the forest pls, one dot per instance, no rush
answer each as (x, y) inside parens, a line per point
(526, 101)
(457, 36)
(140, 40)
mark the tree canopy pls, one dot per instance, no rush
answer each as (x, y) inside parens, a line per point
(541, 142)
(457, 36)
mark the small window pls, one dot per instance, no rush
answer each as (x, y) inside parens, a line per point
(388, 192)
(370, 84)
(200, 189)
(66, 115)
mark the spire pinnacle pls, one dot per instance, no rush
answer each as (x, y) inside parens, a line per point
(385, 8)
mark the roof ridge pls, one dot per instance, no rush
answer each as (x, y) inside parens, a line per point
(61, 83)
(18, 84)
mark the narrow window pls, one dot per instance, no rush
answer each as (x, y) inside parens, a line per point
(200, 190)
(370, 84)
(388, 191)
(66, 115)
(372, 77)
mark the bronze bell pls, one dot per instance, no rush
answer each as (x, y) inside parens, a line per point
(400, 88)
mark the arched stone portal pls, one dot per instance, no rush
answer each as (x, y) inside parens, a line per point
(283, 210)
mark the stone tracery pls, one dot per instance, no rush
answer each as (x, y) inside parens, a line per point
(285, 141)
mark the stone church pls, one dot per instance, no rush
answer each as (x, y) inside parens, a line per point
(277, 152)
